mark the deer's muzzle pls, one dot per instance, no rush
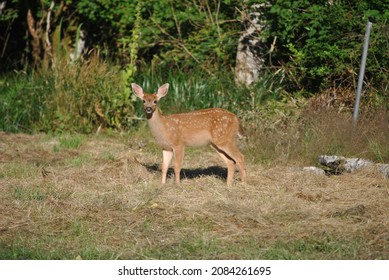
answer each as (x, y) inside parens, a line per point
(149, 110)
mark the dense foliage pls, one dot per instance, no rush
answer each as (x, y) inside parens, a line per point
(309, 46)
(319, 42)
(182, 33)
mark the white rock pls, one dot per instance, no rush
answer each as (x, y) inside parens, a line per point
(314, 170)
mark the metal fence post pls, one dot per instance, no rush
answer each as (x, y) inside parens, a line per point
(362, 72)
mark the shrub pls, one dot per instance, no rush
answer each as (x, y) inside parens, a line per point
(71, 97)
(86, 95)
(319, 43)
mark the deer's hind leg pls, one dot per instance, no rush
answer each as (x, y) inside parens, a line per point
(231, 155)
(230, 166)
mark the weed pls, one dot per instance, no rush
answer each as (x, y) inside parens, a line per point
(321, 248)
(379, 150)
(71, 141)
(109, 156)
(18, 170)
(27, 194)
(78, 228)
(79, 160)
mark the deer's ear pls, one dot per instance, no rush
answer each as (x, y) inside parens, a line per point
(138, 91)
(162, 91)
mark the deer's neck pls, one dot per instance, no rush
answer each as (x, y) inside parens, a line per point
(157, 127)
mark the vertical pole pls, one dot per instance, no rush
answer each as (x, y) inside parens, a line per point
(362, 72)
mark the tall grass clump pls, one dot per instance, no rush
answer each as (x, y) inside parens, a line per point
(292, 132)
(22, 102)
(73, 97)
(272, 129)
(86, 95)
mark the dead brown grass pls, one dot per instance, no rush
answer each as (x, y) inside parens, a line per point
(300, 135)
(104, 200)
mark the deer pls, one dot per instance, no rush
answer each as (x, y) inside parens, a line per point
(216, 127)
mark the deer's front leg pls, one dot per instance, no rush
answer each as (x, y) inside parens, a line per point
(178, 160)
(167, 158)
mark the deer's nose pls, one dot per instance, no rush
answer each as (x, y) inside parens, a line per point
(149, 110)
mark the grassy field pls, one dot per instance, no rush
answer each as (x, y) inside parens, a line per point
(99, 197)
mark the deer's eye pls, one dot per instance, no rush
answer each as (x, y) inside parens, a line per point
(144, 101)
(155, 101)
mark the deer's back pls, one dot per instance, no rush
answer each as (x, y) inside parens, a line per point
(202, 127)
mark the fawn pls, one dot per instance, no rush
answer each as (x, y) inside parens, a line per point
(216, 127)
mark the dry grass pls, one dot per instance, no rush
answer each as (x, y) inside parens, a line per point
(300, 135)
(102, 200)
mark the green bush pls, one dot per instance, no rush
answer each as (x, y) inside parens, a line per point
(180, 34)
(86, 95)
(319, 43)
(77, 97)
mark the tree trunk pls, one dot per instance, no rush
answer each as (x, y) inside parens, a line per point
(2, 6)
(35, 31)
(251, 48)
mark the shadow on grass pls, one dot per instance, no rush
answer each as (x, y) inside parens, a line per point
(215, 171)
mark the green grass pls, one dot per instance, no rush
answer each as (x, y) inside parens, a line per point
(79, 161)
(197, 90)
(109, 156)
(187, 247)
(21, 102)
(70, 141)
(51, 248)
(18, 170)
(23, 194)
(313, 248)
